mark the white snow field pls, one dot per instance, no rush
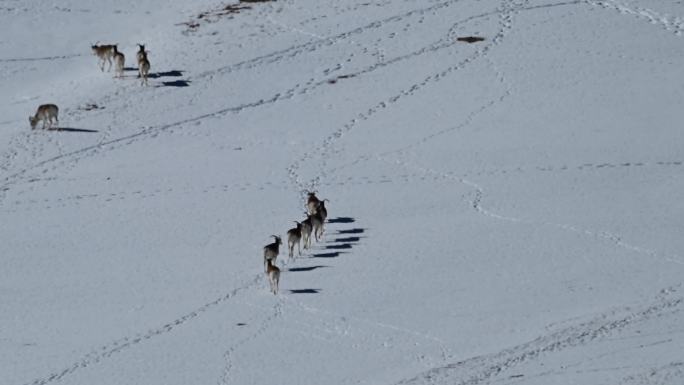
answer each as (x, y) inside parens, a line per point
(507, 211)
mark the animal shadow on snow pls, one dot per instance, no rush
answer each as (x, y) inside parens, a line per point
(176, 83)
(308, 268)
(305, 291)
(170, 74)
(166, 74)
(351, 231)
(342, 246)
(71, 129)
(341, 220)
(344, 239)
(347, 239)
(333, 254)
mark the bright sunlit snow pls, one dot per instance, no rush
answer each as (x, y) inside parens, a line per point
(504, 182)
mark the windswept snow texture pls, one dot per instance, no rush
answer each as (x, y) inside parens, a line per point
(504, 180)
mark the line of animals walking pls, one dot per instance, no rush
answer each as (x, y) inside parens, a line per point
(314, 223)
(106, 53)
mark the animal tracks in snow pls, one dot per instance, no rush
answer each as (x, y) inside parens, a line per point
(275, 313)
(482, 369)
(123, 344)
(305, 48)
(104, 352)
(339, 239)
(674, 24)
(478, 197)
(72, 157)
(46, 58)
(505, 24)
(76, 200)
(27, 159)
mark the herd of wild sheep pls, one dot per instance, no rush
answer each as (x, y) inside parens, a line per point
(106, 53)
(315, 208)
(313, 224)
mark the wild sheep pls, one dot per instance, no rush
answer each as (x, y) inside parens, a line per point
(46, 113)
(273, 274)
(141, 52)
(271, 250)
(311, 202)
(143, 64)
(104, 53)
(119, 61)
(307, 228)
(322, 210)
(317, 222)
(294, 236)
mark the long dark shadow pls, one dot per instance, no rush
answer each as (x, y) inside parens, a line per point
(305, 291)
(177, 83)
(71, 129)
(308, 268)
(172, 73)
(342, 220)
(351, 231)
(346, 240)
(334, 254)
(344, 246)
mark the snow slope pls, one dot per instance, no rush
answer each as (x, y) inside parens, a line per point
(501, 212)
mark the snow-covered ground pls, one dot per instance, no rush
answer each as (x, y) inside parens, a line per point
(502, 212)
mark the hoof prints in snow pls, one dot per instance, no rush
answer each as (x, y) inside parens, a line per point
(323, 151)
(106, 351)
(217, 14)
(151, 132)
(482, 369)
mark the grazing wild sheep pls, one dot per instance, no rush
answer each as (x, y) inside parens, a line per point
(104, 53)
(273, 274)
(294, 236)
(119, 61)
(46, 113)
(271, 250)
(143, 64)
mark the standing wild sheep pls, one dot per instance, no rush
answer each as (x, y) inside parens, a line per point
(104, 53)
(273, 274)
(271, 251)
(46, 113)
(143, 64)
(307, 228)
(320, 216)
(119, 61)
(312, 202)
(317, 222)
(141, 52)
(321, 210)
(294, 236)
